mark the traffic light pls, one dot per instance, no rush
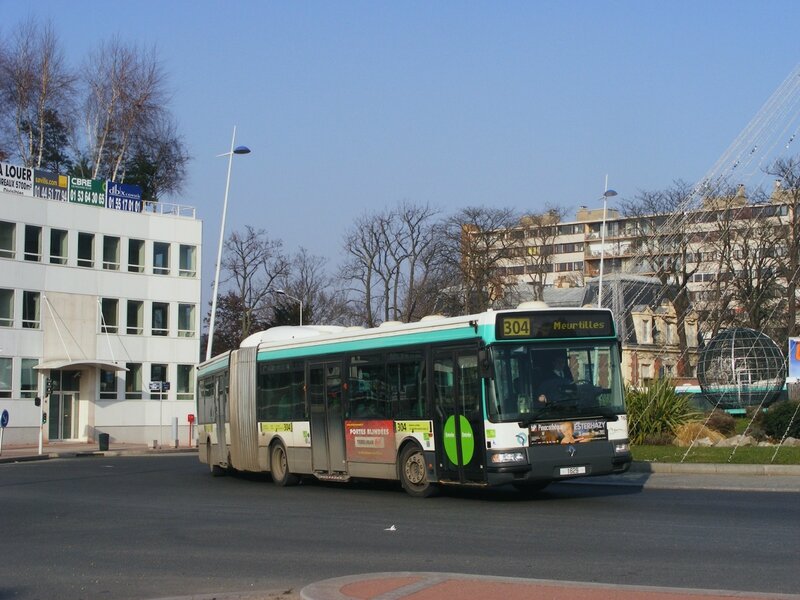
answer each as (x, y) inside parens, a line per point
(48, 387)
(44, 418)
(37, 401)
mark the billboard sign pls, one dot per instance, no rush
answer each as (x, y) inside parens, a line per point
(49, 185)
(87, 191)
(794, 357)
(16, 180)
(123, 196)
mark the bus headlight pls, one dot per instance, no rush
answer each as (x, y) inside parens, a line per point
(505, 458)
(622, 448)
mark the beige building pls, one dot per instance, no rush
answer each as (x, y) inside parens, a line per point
(642, 305)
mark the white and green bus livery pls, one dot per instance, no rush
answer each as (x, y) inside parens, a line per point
(525, 397)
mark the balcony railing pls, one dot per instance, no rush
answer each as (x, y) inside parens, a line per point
(165, 208)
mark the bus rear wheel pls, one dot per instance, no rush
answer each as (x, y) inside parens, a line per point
(413, 474)
(279, 465)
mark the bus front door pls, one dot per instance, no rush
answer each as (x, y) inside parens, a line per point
(327, 418)
(458, 416)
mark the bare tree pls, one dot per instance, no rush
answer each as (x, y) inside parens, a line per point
(254, 266)
(420, 246)
(37, 90)
(363, 246)
(126, 95)
(476, 242)
(667, 251)
(538, 246)
(787, 172)
(309, 282)
(394, 258)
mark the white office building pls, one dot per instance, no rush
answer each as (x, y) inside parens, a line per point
(103, 301)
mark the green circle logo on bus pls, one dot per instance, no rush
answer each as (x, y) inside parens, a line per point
(467, 439)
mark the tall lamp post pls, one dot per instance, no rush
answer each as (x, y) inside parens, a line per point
(606, 195)
(283, 293)
(234, 150)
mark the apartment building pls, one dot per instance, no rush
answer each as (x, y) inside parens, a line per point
(695, 239)
(99, 311)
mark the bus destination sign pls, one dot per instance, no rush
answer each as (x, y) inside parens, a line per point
(585, 324)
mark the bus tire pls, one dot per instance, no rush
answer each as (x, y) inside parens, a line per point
(216, 470)
(279, 465)
(413, 474)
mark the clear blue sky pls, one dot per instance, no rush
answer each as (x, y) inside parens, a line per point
(354, 106)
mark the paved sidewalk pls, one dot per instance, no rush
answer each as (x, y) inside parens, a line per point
(10, 454)
(453, 586)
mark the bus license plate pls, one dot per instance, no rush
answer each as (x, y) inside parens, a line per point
(572, 471)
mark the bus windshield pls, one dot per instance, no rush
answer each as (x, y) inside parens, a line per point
(533, 383)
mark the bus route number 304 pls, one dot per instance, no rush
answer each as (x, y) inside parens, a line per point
(516, 327)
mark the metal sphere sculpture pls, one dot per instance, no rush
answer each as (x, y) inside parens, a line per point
(741, 367)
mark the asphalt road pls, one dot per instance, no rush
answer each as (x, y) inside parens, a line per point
(157, 526)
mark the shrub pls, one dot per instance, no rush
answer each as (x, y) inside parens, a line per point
(778, 417)
(689, 433)
(656, 411)
(722, 422)
(658, 439)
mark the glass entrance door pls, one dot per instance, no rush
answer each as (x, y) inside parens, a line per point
(62, 417)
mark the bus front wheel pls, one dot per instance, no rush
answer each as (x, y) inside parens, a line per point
(413, 474)
(279, 465)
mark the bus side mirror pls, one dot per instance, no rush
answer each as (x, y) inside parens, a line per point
(37, 401)
(485, 367)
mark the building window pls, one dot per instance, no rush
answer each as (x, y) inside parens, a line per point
(158, 372)
(6, 308)
(5, 377)
(31, 310)
(646, 373)
(110, 253)
(135, 321)
(27, 382)
(160, 318)
(58, 247)
(7, 239)
(33, 243)
(160, 258)
(108, 385)
(109, 315)
(185, 382)
(133, 381)
(186, 320)
(188, 261)
(85, 250)
(136, 256)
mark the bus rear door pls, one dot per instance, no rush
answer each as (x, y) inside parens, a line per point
(458, 416)
(221, 417)
(327, 418)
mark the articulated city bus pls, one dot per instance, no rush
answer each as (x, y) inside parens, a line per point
(525, 397)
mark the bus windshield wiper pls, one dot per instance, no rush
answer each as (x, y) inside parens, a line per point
(570, 411)
(547, 409)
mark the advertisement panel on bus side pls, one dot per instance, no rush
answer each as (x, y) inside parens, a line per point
(370, 441)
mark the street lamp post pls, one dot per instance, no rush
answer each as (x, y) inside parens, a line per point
(234, 150)
(606, 195)
(283, 293)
